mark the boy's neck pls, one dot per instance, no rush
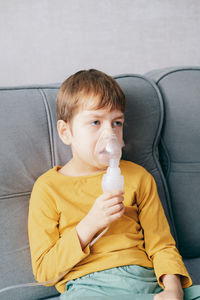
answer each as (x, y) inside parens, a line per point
(72, 168)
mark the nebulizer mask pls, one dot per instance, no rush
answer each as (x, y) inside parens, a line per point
(108, 152)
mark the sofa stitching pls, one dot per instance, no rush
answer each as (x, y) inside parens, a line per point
(176, 71)
(50, 129)
(3, 197)
(33, 87)
(168, 157)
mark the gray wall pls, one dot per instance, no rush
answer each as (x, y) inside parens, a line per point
(44, 41)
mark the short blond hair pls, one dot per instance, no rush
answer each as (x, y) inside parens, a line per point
(76, 90)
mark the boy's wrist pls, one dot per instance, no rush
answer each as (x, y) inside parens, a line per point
(172, 282)
(85, 231)
(90, 225)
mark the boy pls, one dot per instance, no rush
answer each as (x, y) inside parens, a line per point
(68, 208)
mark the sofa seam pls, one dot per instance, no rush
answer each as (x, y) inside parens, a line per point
(168, 158)
(50, 130)
(16, 195)
(185, 162)
(28, 87)
(176, 71)
(191, 172)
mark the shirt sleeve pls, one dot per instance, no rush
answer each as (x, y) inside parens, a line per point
(53, 255)
(159, 243)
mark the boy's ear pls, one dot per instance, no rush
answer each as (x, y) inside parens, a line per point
(64, 132)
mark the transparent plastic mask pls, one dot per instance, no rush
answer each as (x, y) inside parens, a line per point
(108, 148)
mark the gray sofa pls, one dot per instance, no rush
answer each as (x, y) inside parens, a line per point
(162, 133)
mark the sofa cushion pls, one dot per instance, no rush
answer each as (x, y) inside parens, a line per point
(180, 156)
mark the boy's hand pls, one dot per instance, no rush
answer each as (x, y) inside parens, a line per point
(173, 289)
(107, 208)
(169, 295)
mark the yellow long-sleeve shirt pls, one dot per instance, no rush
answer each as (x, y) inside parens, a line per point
(141, 236)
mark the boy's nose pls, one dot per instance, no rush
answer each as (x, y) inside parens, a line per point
(107, 134)
(109, 130)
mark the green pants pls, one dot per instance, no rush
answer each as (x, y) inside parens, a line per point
(121, 283)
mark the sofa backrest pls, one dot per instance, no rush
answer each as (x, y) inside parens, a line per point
(180, 156)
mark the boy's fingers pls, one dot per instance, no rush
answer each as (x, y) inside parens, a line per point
(114, 209)
(112, 194)
(117, 215)
(114, 201)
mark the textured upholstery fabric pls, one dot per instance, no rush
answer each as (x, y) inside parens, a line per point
(180, 156)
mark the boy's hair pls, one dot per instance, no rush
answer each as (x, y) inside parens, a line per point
(82, 86)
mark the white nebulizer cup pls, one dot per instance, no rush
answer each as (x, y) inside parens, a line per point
(113, 180)
(109, 151)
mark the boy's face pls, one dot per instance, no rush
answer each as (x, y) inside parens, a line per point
(86, 128)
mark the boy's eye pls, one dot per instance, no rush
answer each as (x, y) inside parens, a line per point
(117, 123)
(95, 122)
